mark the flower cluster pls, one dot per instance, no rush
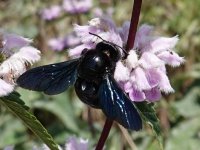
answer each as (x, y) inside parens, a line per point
(69, 6)
(143, 74)
(16, 55)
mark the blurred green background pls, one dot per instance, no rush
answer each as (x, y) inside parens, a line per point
(65, 116)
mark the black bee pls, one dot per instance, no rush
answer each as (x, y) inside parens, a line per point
(92, 76)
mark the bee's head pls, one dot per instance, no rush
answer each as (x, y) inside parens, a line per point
(109, 48)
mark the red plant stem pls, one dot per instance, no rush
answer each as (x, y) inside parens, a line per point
(131, 38)
(134, 23)
(104, 134)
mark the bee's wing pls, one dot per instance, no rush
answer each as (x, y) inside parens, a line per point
(117, 106)
(50, 79)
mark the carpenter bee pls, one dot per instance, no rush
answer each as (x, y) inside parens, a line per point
(92, 77)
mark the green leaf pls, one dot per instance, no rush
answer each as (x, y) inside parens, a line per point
(29, 120)
(62, 108)
(15, 97)
(148, 115)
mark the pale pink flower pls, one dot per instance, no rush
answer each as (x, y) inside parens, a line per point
(19, 55)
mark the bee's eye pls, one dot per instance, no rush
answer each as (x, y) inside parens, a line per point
(110, 50)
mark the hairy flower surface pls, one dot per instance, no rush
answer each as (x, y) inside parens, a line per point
(143, 74)
(17, 55)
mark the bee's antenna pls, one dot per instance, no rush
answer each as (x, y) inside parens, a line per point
(125, 52)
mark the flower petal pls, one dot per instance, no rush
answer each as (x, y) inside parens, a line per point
(153, 94)
(136, 95)
(171, 58)
(76, 52)
(153, 77)
(140, 79)
(103, 23)
(142, 36)
(15, 41)
(163, 43)
(5, 88)
(27, 54)
(132, 60)
(149, 60)
(164, 84)
(16, 64)
(124, 30)
(121, 72)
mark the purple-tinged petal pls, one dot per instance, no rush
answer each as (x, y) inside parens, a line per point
(84, 32)
(75, 144)
(121, 72)
(149, 60)
(56, 44)
(160, 44)
(111, 36)
(153, 95)
(144, 30)
(77, 6)
(127, 86)
(140, 79)
(103, 23)
(51, 13)
(142, 36)
(76, 52)
(124, 30)
(136, 95)
(152, 76)
(5, 88)
(171, 58)
(15, 41)
(164, 84)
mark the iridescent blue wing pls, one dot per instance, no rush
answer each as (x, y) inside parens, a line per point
(50, 79)
(117, 106)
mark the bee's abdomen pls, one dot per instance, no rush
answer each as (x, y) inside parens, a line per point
(87, 92)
